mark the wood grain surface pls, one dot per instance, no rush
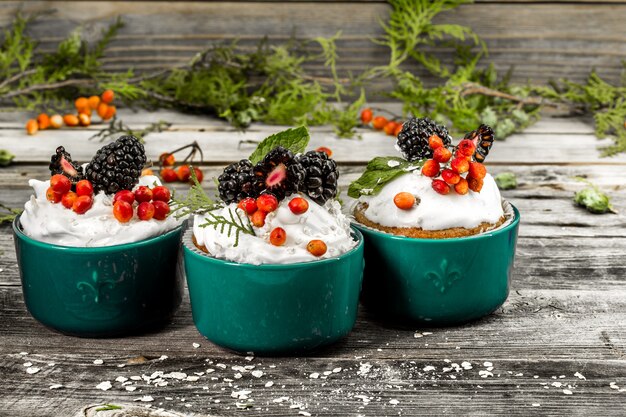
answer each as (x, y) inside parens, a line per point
(563, 328)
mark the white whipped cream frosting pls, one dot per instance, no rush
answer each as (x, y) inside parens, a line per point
(326, 223)
(434, 211)
(53, 223)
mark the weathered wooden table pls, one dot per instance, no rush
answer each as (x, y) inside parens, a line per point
(557, 347)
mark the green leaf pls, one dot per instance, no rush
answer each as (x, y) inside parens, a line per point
(380, 171)
(108, 407)
(296, 140)
(506, 180)
(593, 199)
(6, 157)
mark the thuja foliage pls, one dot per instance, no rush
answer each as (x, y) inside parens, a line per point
(270, 84)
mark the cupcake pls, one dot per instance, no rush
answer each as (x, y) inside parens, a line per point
(272, 264)
(96, 247)
(440, 241)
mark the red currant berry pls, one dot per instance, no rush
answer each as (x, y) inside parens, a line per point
(298, 205)
(466, 147)
(82, 204)
(435, 142)
(459, 165)
(450, 176)
(258, 218)
(124, 195)
(477, 170)
(278, 236)
(404, 200)
(60, 183)
(316, 247)
(461, 187)
(431, 168)
(442, 155)
(161, 193)
(143, 193)
(122, 211)
(84, 187)
(184, 173)
(441, 187)
(169, 175)
(267, 203)
(248, 205)
(68, 199)
(52, 196)
(145, 210)
(161, 209)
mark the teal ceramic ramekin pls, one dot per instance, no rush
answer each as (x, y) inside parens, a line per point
(102, 291)
(438, 281)
(274, 309)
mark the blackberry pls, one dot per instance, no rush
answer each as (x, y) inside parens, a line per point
(61, 163)
(413, 138)
(117, 166)
(278, 173)
(320, 182)
(236, 182)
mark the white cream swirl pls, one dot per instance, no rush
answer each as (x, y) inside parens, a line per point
(325, 223)
(434, 211)
(53, 223)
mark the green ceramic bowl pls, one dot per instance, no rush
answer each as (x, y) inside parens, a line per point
(101, 292)
(437, 281)
(274, 309)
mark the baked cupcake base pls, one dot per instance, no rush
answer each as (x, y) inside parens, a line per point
(417, 232)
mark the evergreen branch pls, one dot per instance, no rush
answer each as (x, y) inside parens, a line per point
(11, 215)
(196, 201)
(235, 223)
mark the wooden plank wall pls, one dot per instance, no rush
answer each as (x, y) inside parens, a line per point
(542, 40)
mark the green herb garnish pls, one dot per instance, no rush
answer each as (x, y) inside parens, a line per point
(380, 171)
(11, 215)
(6, 158)
(295, 140)
(506, 180)
(196, 201)
(234, 224)
(593, 199)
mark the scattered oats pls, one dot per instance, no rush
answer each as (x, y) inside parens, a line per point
(163, 357)
(135, 378)
(104, 386)
(191, 378)
(377, 350)
(556, 384)
(130, 389)
(98, 362)
(199, 373)
(394, 402)
(209, 371)
(144, 399)
(304, 413)
(613, 385)
(490, 368)
(536, 376)
(221, 365)
(427, 333)
(487, 364)
(249, 358)
(121, 379)
(458, 347)
(268, 384)
(364, 368)
(257, 374)
(227, 380)
(51, 363)
(56, 386)
(27, 364)
(169, 398)
(484, 373)
(417, 335)
(32, 370)
(314, 375)
(429, 368)
(553, 377)
(121, 365)
(280, 399)
(561, 376)
(519, 374)
(175, 375)
(23, 353)
(536, 405)
(567, 392)
(243, 406)
(328, 372)
(195, 345)
(453, 376)
(238, 375)
(241, 395)
(579, 375)
(336, 370)
(466, 365)
(447, 360)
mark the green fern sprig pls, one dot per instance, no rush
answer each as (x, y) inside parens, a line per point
(196, 202)
(234, 224)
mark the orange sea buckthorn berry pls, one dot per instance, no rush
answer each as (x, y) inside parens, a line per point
(102, 110)
(70, 120)
(316, 247)
(441, 187)
(461, 187)
(278, 236)
(475, 184)
(366, 115)
(398, 129)
(390, 128)
(32, 126)
(466, 147)
(108, 96)
(431, 168)
(404, 200)
(81, 103)
(459, 165)
(442, 154)
(43, 120)
(56, 121)
(94, 101)
(450, 176)
(477, 170)
(435, 142)
(379, 122)
(110, 112)
(84, 119)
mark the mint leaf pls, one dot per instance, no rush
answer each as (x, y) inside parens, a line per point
(295, 140)
(5, 157)
(380, 171)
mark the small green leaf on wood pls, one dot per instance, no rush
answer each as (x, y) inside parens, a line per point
(380, 171)
(296, 140)
(593, 199)
(6, 158)
(107, 407)
(506, 180)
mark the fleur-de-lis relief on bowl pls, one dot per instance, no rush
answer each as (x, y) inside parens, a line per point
(94, 287)
(445, 277)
